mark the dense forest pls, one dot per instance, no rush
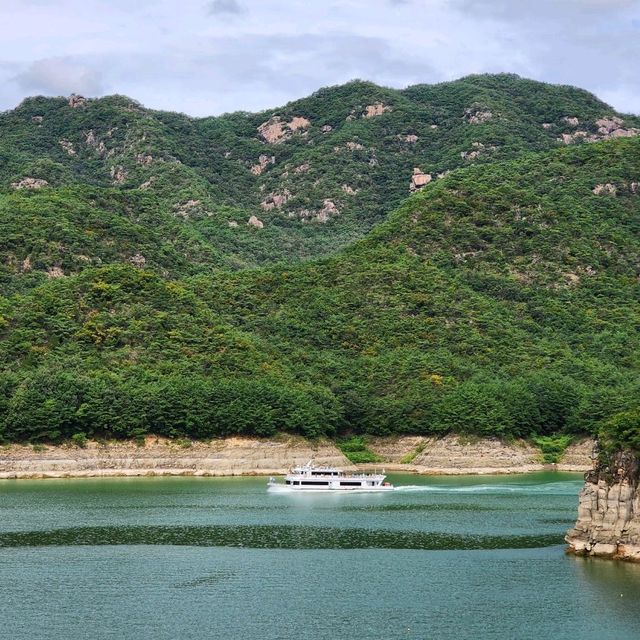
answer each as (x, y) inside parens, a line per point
(501, 298)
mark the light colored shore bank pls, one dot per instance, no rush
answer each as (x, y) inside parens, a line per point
(248, 456)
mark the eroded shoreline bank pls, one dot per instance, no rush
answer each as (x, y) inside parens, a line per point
(450, 455)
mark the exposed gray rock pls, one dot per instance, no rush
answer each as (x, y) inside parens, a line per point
(608, 522)
(419, 179)
(605, 189)
(76, 101)
(255, 222)
(29, 183)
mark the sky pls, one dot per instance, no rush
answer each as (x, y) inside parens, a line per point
(206, 57)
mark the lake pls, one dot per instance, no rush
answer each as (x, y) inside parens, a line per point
(181, 558)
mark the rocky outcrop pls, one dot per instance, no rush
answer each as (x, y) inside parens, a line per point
(255, 222)
(138, 260)
(608, 522)
(605, 189)
(29, 183)
(478, 150)
(477, 114)
(67, 146)
(76, 101)
(275, 130)
(54, 272)
(607, 128)
(329, 210)
(419, 179)
(376, 109)
(263, 162)
(275, 200)
(118, 174)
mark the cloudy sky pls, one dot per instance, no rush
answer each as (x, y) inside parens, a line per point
(210, 56)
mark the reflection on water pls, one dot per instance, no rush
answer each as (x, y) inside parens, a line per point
(271, 537)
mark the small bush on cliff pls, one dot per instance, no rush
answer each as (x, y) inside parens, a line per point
(356, 450)
(552, 447)
(622, 431)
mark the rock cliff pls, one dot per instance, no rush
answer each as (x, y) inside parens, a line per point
(609, 511)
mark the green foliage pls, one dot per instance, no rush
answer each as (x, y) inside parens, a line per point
(356, 450)
(622, 431)
(501, 300)
(79, 439)
(552, 446)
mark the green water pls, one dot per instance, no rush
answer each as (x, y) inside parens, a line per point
(182, 558)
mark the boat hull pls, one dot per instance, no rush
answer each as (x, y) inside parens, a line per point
(277, 487)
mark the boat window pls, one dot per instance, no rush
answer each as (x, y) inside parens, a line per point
(350, 484)
(314, 482)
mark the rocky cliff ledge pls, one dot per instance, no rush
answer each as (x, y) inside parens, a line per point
(448, 455)
(160, 457)
(609, 511)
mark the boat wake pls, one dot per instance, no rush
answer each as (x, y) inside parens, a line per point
(571, 487)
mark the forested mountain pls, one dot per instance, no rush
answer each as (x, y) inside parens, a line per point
(499, 299)
(85, 183)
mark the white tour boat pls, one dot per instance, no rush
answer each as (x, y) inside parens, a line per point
(311, 478)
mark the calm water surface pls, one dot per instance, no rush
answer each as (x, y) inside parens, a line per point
(182, 558)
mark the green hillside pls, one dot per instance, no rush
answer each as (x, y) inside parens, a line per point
(318, 173)
(501, 299)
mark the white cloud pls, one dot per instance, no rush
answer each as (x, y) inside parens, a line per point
(60, 76)
(203, 57)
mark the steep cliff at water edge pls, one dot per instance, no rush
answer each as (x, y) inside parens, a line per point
(609, 511)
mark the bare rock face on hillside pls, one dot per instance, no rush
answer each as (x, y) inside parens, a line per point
(571, 121)
(118, 174)
(411, 138)
(607, 128)
(375, 109)
(263, 162)
(419, 179)
(76, 101)
(37, 119)
(255, 222)
(477, 150)
(605, 189)
(327, 128)
(275, 130)
(329, 209)
(29, 183)
(138, 260)
(67, 147)
(477, 114)
(144, 159)
(54, 272)
(275, 200)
